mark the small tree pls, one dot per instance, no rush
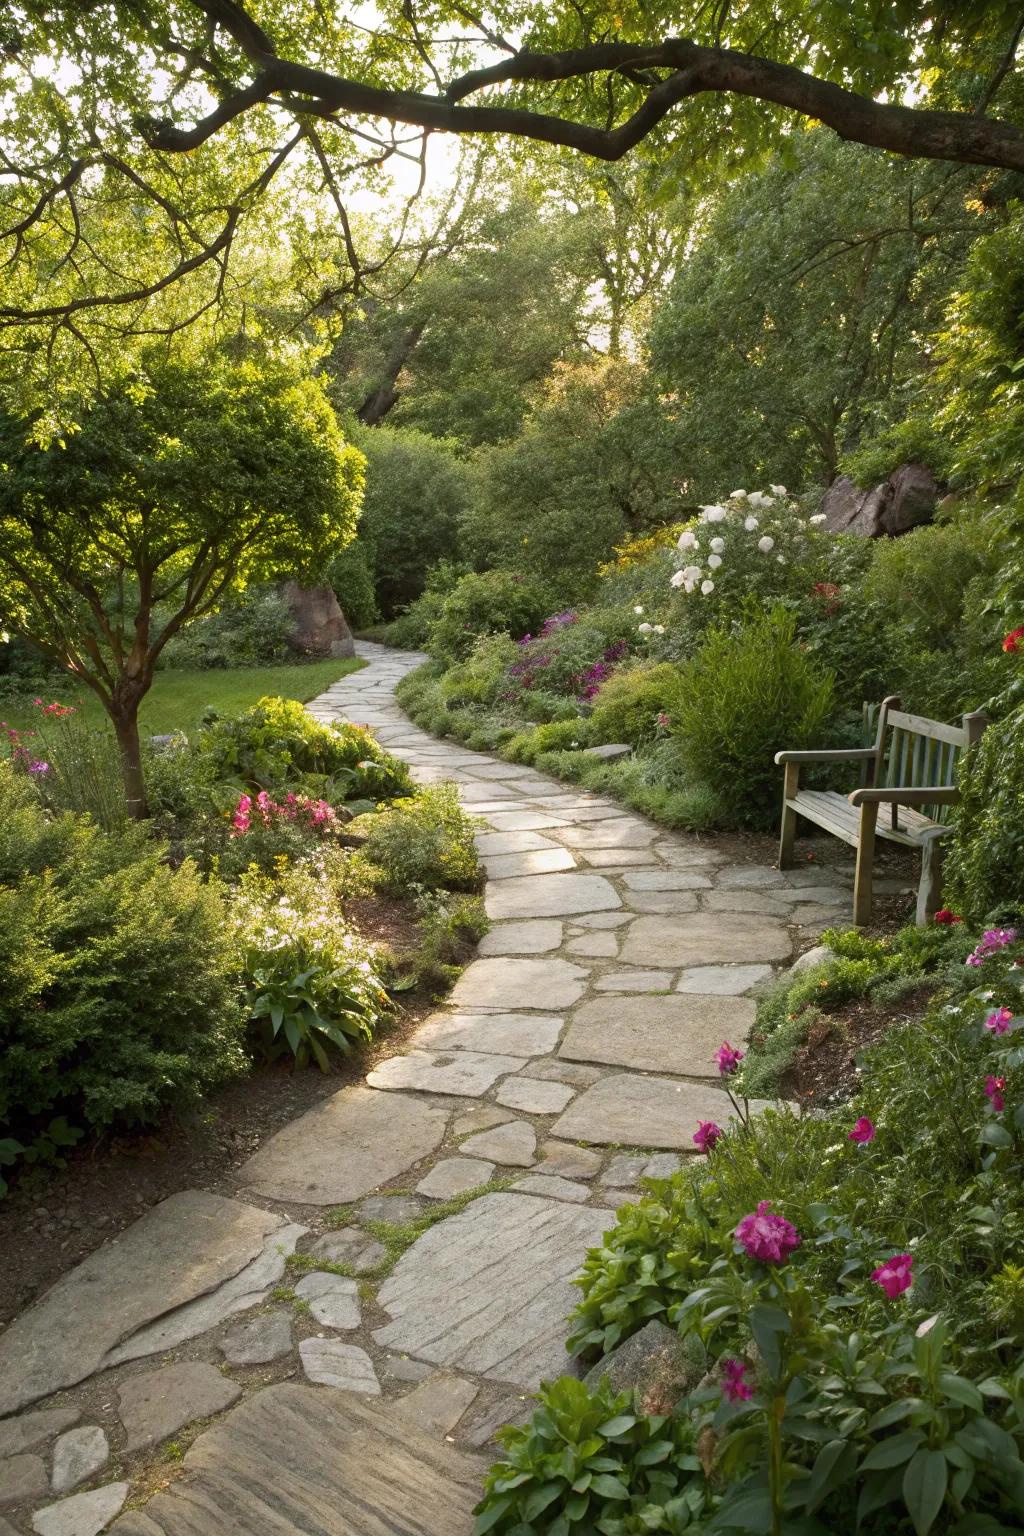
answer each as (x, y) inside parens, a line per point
(182, 483)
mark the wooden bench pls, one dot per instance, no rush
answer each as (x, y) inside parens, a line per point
(911, 770)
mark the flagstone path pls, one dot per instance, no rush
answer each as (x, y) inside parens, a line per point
(573, 1058)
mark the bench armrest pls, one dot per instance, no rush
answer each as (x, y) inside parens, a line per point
(833, 755)
(934, 795)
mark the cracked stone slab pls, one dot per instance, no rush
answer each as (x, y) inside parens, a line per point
(84, 1514)
(466, 1074)
(635, 981)
(333, 1299)
(553, 1070)
(455, 1176)
(30, 1429)
(352, 1143)
(446, 1307)
(550, 896)
(536, 936)
(481, 1118)
(154, 1405)
(437, 1405)
(513, 1144)
(185, 1247)
(295, 1459)
(77, 1455)
(553, 1187)
(562, 1160)
(331, 1363)
(505, 1034)
(616, 832)
(656, 1111)
(723, 980)
(534, 1095)
(349, 1245)
(260, 1339)
(677, 1033)
(248, 1288)
(704, 939)
(396, 1209)
(542, 861)
(506, 982)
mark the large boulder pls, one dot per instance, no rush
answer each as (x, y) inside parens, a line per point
(903, 501)
(318, 626)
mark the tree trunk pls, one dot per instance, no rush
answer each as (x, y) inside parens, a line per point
(377, 405)
(125, 715)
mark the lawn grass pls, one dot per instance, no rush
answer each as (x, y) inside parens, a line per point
(178, 697)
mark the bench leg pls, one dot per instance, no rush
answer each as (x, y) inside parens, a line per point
(788, 832)
(929, 892)
(862, 880)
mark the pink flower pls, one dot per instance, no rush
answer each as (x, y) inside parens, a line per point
(767, 1236)
(994, 1093)
(863, 1131)
(999, 1022)
(896, 1275)
(707, 1135)
(240, 820)
(728, 1059)
(992, 940)
(37, 766)
(735, 1386)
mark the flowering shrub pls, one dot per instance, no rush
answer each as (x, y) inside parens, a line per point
(309, 984)
(496, 602)
(316, 815)
(73, 766)
(633, 703)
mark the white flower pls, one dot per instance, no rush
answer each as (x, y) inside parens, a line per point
(737, 495)
(645, 629)
(707, 586)
(714, 561)
(692, 573)
(659, 629)
(766, 544)
(718, 545)
(678, 579)
(780, 559)
(750, 523)
(687, 539)
(817, 520)
(759, 500)
(639, 608)
(714, 514)
(777, 490)
(688, 586)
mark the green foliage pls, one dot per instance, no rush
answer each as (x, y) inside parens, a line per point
(416, 491)
(555, 736)
(496, 602)
(250, 629)
(984, 870)
(277, 745)
(73, 766)
(450, 926)
(744, 696)
(482, 676)
(589, 1462)
(425, 840)
(309, 984)
(115, 991)
(627, 705)
(351, 578)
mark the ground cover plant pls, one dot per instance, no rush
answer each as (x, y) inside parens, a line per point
(854, 1279)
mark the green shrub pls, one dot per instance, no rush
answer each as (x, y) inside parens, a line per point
(554, 736)
(351, 578)
(115, 992)
(309, 983)
(248, 630)
(481, 677)
(985, 860)
(496, 602)
(744, 696)
(73, 766)
(425, 840)
(628, 704)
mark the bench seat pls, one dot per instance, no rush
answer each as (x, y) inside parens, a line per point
(835, 814)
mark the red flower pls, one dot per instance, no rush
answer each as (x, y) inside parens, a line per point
(1013, 639)
(944, 915)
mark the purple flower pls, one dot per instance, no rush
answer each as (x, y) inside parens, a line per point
(896, 1275)
(863, 1131)
(728, 1059)
(767, 1236)
(999, 1022)
(735, 1386)
(37, 766)
(994, 1093)
(707, 1135)
(992, 940)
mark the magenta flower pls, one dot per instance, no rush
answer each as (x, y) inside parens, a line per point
(896, 1275)
(992, 940)
(999, 1022)
(728, 1059)
(767, 1236)
(735, 1386)
(707, 1135)
(994, 1093)
(863, 1131)
(243, 811)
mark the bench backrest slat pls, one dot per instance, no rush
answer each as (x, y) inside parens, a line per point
(913, 752)
(934, 730)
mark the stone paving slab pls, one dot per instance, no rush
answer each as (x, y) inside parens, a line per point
(550, 896)
(509, 982)
(704, 940)
(184, 1247)
(352, 1143)
(84, 1514)
(155, 1404)
(507, 1034)
(627, 1110)
(531, 937)
(488, 1291)
(298, 1461)
(466, 1074)
(724, 980)
(677, 1033)
(542, 861)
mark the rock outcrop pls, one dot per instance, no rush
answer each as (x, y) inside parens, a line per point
(318, 626)
(903, 501)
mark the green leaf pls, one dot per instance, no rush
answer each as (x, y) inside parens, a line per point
(607, 1487)
(995, 1135)
(538, 1499)
(924, 1488)
(892, 1452)
(617, 1426)
(958, 1390)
